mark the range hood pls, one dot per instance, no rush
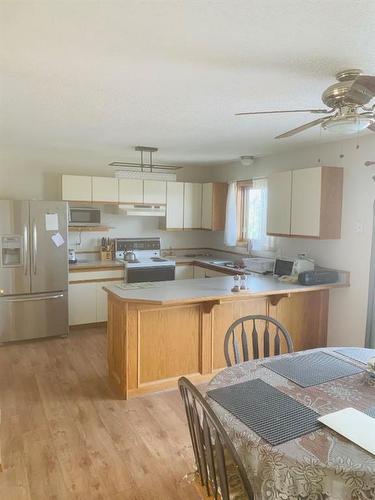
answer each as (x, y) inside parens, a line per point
(143, 209)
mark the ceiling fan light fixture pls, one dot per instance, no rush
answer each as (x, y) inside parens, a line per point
(247, 160)
(350, 124)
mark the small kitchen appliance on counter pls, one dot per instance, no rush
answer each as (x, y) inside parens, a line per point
(72, 256)
(142, 261)
(261, 265)
(318, 277)
(302, 264)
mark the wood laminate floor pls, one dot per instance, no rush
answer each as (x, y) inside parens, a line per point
(64, 435)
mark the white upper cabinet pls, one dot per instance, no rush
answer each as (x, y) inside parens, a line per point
(207, 205)
(306, 201)
(130, 191)
(76, 188)
(105, 189)
(279, 203)
(155, 192)
(192, 205)
(175, 205)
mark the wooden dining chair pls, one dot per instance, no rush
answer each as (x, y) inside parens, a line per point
(220, 469)
(266, 333)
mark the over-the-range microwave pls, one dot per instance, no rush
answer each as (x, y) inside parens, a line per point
(84, 216)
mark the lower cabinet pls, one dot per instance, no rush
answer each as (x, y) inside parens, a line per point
(82, 297)
(88, 302)
(184, 272)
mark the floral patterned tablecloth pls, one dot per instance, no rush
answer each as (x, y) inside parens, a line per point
(320, 465)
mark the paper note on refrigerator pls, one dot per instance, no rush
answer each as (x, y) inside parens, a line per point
(58, 239)
(52, 222)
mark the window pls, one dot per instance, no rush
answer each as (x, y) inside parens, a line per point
(252, 213)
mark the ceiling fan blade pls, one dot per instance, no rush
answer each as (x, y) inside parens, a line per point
(285, 111)
(302, 128)
(372, 127)
(362, 90)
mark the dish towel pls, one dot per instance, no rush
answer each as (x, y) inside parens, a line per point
(230, 233)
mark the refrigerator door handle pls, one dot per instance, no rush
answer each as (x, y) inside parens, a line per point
(25, 249)
(35, 246)
(31, 298)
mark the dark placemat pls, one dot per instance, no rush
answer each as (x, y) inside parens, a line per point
(313, 368)
(273, 415)
(370, 411)
(359, 354)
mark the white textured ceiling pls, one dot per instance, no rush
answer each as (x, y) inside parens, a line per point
(103, 76)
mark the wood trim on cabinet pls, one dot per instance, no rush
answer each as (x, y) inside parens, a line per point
(95, 268)
(96, 280)
(219, 197)
(331, 202)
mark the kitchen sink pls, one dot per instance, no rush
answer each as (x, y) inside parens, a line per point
(222, 262)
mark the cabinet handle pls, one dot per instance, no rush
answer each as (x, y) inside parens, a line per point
(35, 246)
(25, 249)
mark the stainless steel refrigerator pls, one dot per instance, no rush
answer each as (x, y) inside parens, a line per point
(33, 269)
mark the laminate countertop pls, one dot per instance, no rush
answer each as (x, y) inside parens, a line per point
(211, 289)
(93, 265)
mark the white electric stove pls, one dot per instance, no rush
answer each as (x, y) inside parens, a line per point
(149, 265)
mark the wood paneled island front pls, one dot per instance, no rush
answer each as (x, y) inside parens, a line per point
(158, 333)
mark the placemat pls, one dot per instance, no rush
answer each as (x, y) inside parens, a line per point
(370, 411)
(273, 415)
(359, 354)
(313, 368)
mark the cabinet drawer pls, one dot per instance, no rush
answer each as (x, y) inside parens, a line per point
(95, 275)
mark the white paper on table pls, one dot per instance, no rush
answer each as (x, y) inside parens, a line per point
(58, 239)
(52, 222)
(354, 425)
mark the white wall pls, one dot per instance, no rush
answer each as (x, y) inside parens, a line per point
(347, 316)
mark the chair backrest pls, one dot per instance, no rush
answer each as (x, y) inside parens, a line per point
(236, 341)
(219, 466)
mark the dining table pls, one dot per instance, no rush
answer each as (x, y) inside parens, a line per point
(319, 465)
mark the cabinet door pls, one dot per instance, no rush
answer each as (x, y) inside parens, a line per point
(155, 192)
(130, 191)
(175, 205)
(306, 197)
(76, 188)
(207, 205)
(184, 272)
(102, 300)
(199, 272)
(192, 205)
(82, 303)
(279, 203)
(105, 189)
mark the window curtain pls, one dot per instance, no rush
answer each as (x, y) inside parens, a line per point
(370, 325)
(230, 233)
(255, 213)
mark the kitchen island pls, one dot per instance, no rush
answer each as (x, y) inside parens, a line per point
(158, 332)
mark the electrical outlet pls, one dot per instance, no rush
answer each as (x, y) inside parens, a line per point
(358, 227)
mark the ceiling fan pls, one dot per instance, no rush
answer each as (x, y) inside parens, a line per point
(346, 101)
